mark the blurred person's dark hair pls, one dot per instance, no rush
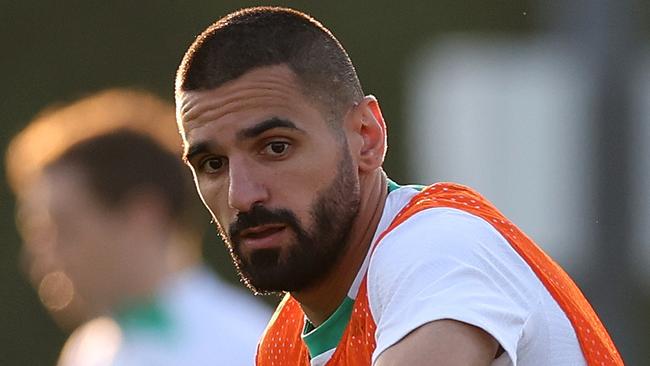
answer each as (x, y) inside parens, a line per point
(122, 163)
(266, 36)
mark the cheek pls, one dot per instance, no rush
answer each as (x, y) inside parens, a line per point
(76, 247)
(90, 239)
(209, 194)
(300, 182)
(215, 199)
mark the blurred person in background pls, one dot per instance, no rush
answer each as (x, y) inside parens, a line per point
(287, 154)
(112, 238)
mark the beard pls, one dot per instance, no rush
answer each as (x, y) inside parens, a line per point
(313, 252)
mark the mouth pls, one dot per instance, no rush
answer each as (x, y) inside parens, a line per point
(262, 236)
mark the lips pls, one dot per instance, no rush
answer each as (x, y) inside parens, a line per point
(262, 236)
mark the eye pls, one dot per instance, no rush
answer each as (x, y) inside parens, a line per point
(212, 165)
(276, 148)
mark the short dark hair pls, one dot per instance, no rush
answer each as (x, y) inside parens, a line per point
(120, 163)
(266, 36)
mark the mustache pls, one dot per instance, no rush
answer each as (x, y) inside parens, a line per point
(260, 215)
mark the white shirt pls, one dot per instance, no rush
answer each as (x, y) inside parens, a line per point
(443, 263)
(208, 323)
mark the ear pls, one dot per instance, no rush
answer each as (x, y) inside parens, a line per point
(368, 126)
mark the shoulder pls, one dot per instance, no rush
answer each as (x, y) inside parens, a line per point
(439, 235)
(445, 246)
(444, 263)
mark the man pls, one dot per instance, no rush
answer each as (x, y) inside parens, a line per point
(287, 155)
(103, 202)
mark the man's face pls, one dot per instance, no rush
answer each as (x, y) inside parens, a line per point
(279, 181)
(80, 234)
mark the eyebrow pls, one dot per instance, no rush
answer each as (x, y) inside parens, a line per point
(247, 133)
(264, 126)
(196, 149)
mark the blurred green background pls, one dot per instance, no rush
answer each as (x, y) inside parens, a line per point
(55, 51)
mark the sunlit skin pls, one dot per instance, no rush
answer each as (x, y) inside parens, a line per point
(238, 163)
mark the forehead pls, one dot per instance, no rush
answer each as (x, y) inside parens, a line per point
(262, 91)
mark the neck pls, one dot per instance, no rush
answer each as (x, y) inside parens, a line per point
(319, 301)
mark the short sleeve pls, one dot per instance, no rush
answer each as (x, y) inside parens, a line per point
(444, 263)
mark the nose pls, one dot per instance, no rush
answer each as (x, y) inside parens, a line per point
(246, 187)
